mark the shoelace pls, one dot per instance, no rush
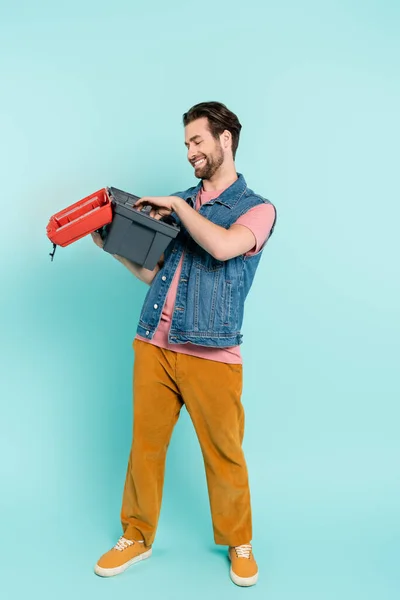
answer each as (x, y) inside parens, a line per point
(243, 551)
(123, 543)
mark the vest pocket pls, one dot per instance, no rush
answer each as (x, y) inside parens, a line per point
(206, 262)
(207, 299)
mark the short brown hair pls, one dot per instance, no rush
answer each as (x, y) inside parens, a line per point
(219, 118)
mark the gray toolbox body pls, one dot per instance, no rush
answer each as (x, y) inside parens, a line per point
(135, 235)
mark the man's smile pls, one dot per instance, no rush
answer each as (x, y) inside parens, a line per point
(198, 162)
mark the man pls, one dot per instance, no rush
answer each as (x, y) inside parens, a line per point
(187, 344)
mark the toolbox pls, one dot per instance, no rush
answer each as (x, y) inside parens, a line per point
(126, 231)
(135, 235)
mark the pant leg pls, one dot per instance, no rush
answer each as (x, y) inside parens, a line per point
(156, 408)
(211, 392)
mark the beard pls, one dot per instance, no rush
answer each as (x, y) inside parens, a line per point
(211, 165)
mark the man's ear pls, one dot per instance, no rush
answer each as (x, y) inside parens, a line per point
(227, 139)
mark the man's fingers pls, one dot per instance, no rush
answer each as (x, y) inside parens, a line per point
(142, 206)
(142, 201)
(98, 240)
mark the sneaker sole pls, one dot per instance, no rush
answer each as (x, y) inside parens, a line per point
(243, 581)
(102, 572)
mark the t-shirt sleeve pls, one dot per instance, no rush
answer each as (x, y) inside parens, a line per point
(259, 220)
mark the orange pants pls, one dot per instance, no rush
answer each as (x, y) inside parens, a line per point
(164, 381)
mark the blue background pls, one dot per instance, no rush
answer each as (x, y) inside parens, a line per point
(93, 95)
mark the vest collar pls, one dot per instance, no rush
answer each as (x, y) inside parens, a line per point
(229, 197)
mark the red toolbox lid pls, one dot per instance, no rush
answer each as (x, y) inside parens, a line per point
(80, 219)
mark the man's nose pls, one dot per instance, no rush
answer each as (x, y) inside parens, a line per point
(191, 153)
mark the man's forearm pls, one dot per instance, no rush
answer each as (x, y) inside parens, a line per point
(208, 235)
(141, 273)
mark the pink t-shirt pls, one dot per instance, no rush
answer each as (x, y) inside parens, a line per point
(259, 220)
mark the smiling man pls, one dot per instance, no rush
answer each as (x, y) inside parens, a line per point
(187, 347)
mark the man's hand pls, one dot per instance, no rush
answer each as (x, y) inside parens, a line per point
(97, 239)
(161, 206)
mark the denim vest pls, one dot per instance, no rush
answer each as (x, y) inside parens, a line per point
(209, 304)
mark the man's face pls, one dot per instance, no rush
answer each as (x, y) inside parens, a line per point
(205, 153)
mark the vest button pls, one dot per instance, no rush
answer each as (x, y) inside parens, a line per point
(147, 332)
(164, 278)
(156, 306)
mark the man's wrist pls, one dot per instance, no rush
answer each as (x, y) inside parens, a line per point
(176, 203)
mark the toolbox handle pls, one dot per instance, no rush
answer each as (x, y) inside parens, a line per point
(54, 251)
(131, 201)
